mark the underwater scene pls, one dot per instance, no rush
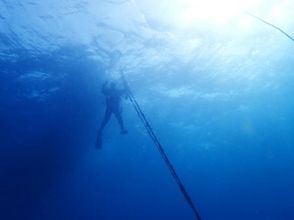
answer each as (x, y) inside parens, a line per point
(146, 110)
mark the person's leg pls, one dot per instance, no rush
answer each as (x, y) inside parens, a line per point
(105, 120)
(118, 115)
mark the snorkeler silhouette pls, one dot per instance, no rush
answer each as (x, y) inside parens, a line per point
(113, 106)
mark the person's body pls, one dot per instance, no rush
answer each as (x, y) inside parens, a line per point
(113, 106)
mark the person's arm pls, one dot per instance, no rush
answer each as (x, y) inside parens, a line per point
(126, 93)
(125, 90)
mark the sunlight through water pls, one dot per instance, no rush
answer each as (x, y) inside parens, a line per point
(188, 13)
(191, 12)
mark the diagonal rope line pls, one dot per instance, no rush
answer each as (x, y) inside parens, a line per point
(160, 148)
(271, 25)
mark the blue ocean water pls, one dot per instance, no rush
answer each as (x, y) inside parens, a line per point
(215, 84)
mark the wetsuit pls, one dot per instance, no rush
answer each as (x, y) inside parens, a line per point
(113, 106)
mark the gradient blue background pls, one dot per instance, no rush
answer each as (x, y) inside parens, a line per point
(218, 94)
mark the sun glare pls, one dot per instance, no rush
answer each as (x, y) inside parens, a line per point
(211, 11)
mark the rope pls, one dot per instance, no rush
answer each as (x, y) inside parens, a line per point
(271, 25)
(160, 148)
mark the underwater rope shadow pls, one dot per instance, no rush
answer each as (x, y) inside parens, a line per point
(271, 25)
(160, 148)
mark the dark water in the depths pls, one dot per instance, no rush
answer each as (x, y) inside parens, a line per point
(218, 93)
